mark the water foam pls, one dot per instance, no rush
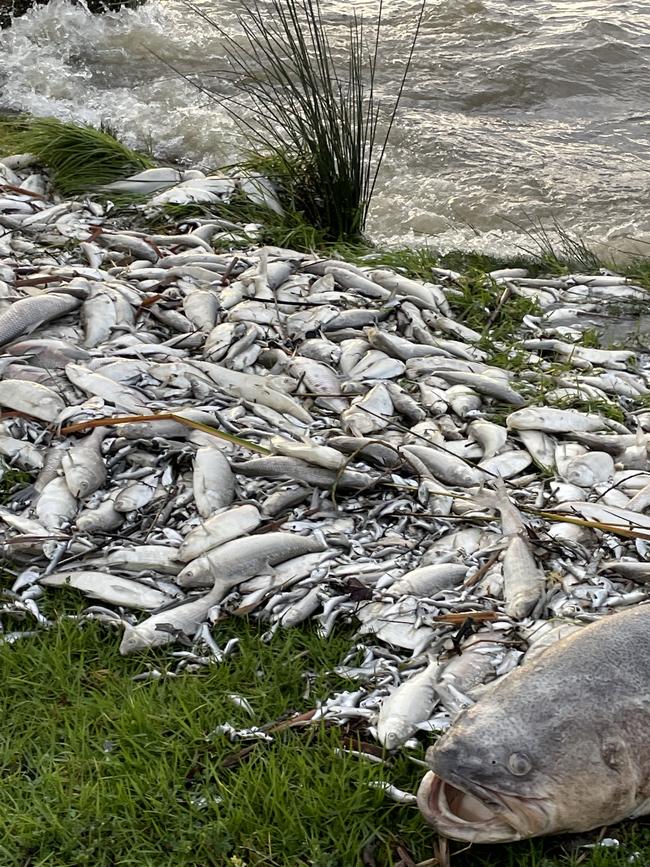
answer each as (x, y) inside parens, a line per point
(508, 117)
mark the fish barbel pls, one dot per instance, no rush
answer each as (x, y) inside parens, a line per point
(561, 745)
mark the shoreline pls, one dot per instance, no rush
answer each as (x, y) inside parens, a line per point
(356, 407)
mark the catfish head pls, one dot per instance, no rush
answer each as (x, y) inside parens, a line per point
(499, 776)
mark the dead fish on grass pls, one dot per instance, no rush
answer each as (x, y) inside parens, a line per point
(557, 746)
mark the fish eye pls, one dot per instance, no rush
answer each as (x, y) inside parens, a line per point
(519, 764)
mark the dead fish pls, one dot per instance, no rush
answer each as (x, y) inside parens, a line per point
(428, 580)
(552, 420)
(239, 559)
(411, 703)
(109, 588)
(83, 465)
(32, 398)
(166, 626)
(25, 315)
(219, 529)
(507, 771)
(212, 481)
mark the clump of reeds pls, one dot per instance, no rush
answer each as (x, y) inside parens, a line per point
(79, 158)
(316, 119)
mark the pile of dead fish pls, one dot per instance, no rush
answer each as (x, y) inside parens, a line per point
(374, 465)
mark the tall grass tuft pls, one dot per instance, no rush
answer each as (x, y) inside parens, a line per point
(78, 157)
(317, 119)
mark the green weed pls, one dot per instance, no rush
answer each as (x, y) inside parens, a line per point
(79, 158)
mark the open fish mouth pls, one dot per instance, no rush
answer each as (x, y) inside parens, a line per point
(469, 812)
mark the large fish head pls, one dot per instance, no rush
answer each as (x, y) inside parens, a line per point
(495, 779)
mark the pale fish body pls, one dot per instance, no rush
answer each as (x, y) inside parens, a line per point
(491, 437)
(255, 389)
(126, 243)
(121, 396)
(379, 406)
(552, 420)
(104, 518)
(321, 380)
(279, 467)
(376, 365)
(542, 634)
(429, 295)
(640, 501)
(83, 465)
(523, 580)
(353, 280)
(109, 588)
(589, 470)
(404, 404)
(147, 181)
(540, 447)
(235, 561)
(631, 569)
(220, 338)
(320, 456)
(48, 352)
(32, 398)
(301, 609)
(22, 451)
(51, 466)
(352, 351)
(619, 383)
(56, 506)
(565, 452)
(157, 558)
(370, 450)
(571, 533)
(471, 669)
(399, 347)
(135, 495)
(560, 745)
(27, 314)
(446, 467)
(612, 515)
(98, 317)
(433, 399)
(219, 529)
(485, 385)
(631, 481)
(212, 481)
(125, 370)
(395, 624)
(428, 580)
(321, 349)
(601, 357)
(460, 544)
(164, 627)
(25, 526)
(507, 464)
(463, 400)
(411, 703)
(201, 307)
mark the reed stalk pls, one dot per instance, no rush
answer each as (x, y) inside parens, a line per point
(312, 110)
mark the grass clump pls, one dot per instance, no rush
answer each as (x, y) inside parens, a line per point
(316, 120)
(79, 158)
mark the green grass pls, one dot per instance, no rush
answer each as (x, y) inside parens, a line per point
(101, 770)
(79, 157)
(11, 480)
